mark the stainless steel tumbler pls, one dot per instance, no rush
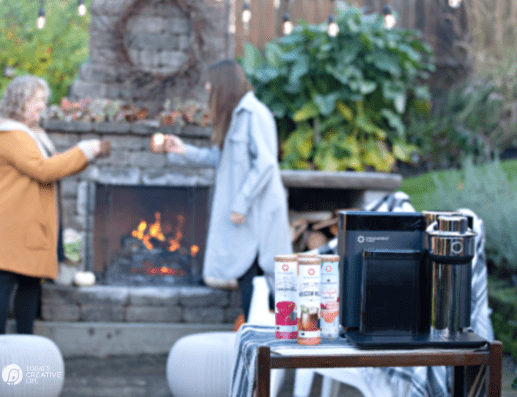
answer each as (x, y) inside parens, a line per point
(451, 248)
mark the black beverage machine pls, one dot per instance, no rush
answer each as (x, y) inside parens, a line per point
(405, 279)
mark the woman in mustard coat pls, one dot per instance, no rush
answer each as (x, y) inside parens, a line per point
(28, 211)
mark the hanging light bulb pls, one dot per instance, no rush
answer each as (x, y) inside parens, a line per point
(287, 25)
(454, 3)
(40, 23)
(81, 8)
(333, 29)
(233, 18)
(246, 12)
(276, 4)
(389, 18)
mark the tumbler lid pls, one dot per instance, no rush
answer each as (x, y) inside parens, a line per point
(286, 258)
(450, 240)
(309, 261)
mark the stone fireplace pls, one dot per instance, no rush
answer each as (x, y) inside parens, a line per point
(107, 202)
(142, 222)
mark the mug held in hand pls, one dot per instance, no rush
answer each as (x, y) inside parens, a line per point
(105, 148)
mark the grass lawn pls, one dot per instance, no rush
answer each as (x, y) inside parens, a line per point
(418, 187)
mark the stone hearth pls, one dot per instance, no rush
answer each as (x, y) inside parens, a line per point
(192, 305)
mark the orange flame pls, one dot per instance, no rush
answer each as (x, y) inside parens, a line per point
(145, 232)
(194, 250)
(174, 243)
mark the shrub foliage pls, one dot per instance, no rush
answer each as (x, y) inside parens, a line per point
(489, 192)
(53, 53)
(340, 101)
(477, 118)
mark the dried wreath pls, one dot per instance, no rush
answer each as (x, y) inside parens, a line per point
(156, 84)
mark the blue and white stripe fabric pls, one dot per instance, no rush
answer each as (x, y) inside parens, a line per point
(250, 337)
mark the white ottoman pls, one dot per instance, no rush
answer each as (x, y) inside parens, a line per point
(30, 366)
(200, 365)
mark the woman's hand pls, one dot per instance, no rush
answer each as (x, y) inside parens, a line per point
(91, 148)
(173, 144)
(237, 218)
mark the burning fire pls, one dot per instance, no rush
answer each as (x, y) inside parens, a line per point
(146, 232)
(162, 271)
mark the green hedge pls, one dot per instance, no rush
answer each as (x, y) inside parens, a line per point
(503, 301)
(340, 101)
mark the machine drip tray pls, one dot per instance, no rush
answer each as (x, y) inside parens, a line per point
(463, 340)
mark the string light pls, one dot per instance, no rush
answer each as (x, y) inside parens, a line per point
(333, 29)
(454, 3)
(81, 8)
(246, 12)
(40, 23)
(233, 18)
(389, 18)
(287, 25)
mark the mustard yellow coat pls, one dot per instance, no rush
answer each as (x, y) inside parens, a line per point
(28, 212)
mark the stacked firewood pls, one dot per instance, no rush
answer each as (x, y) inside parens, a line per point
(312, 229)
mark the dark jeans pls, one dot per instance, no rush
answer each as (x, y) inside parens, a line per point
(26, 300)
(246, 288)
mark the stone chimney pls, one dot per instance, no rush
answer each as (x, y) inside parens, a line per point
(147, 51)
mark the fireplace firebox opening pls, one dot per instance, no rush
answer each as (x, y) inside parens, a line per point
(149, 235)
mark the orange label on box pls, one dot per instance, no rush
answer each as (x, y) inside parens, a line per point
(285, 299)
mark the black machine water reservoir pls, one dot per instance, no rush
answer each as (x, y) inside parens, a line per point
(365, 230)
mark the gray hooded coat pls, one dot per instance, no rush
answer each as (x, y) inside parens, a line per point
(247, 181)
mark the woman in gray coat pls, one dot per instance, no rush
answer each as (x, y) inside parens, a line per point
(248, 220)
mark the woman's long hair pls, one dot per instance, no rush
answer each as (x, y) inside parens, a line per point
(228, 86)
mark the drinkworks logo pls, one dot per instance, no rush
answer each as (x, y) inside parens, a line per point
(371, 239)
(12, 374)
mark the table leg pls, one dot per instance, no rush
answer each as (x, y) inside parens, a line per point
(264, 371)
(458, 386)
(496, 366)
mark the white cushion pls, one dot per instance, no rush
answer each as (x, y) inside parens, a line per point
(200, 365)
(30, 366)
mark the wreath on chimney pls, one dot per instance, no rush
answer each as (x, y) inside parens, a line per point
(155, 84)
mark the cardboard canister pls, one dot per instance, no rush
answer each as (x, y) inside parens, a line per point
(309, 275)
(286, 295)
(329, 289)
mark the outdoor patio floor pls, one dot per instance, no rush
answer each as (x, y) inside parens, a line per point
(144, 376)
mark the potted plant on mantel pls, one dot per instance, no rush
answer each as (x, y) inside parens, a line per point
(174, 112)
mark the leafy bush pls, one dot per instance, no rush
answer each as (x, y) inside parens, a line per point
(478, 118)
(53, 53)
(339, 101)
(491, 194)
